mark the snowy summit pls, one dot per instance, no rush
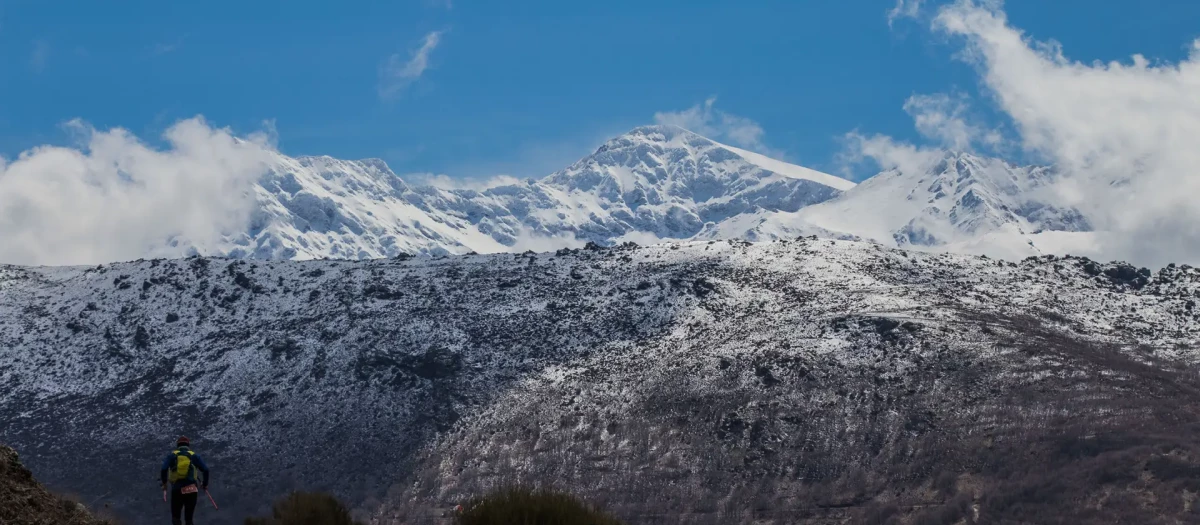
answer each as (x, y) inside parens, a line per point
(653, 184)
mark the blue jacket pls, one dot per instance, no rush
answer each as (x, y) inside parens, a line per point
(197, 464)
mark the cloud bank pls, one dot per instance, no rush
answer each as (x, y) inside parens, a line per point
(397, 73)
(1125, 135)
(117, 198)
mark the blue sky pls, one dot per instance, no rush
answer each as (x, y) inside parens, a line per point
(520, 87)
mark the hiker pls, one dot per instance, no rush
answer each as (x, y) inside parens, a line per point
(179, 469)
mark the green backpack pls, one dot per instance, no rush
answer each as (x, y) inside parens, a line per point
(183, 466)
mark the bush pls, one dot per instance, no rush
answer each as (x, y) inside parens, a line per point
(306, 508)
(881, 514)
(522, 506)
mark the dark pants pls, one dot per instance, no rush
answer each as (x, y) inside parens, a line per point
(185, 503)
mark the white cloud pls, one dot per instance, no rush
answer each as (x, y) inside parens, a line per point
(397, 73)
(943, 118)
(1127, 135)
(904, 9)
(1124, 135)
(116, 198)
(716, 124)
(887, 153)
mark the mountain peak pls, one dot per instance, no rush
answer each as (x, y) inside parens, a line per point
(655, 134)
(372, 164)
(653, 183)
(661, 130)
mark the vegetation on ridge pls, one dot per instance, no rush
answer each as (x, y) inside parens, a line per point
(306, 508)
(526, 506)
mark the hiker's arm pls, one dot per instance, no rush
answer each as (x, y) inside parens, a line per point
(203, 468)
(166, 464)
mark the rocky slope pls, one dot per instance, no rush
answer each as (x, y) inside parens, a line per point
(708, 382)
(23, 501)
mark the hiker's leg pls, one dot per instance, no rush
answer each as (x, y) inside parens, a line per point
(176, 506)
(189, 507)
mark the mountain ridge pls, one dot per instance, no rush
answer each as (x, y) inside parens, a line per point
(788, 372)
(653, 184)
(658, 180)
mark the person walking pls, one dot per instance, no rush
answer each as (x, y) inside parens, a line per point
(179, 476)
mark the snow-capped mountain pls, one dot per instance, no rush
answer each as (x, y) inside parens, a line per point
(960, 203)
(959, 199)
(722, 381)
(653, 182)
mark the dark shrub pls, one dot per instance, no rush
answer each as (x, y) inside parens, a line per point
(1168, 469)
(956, 510)
(881, 514)
(306, 508)
(522, 506)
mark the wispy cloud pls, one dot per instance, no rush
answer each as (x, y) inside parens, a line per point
(163, 48)
(713, 123)
(40, 56)
(904, 9)
(541, 156)
(444, 4)
(398, 72)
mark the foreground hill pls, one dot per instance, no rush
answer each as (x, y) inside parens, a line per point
(709, 382)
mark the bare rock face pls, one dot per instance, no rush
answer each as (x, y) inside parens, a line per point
(705, 382)
(23, 501)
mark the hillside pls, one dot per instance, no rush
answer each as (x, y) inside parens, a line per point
(718, 381)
